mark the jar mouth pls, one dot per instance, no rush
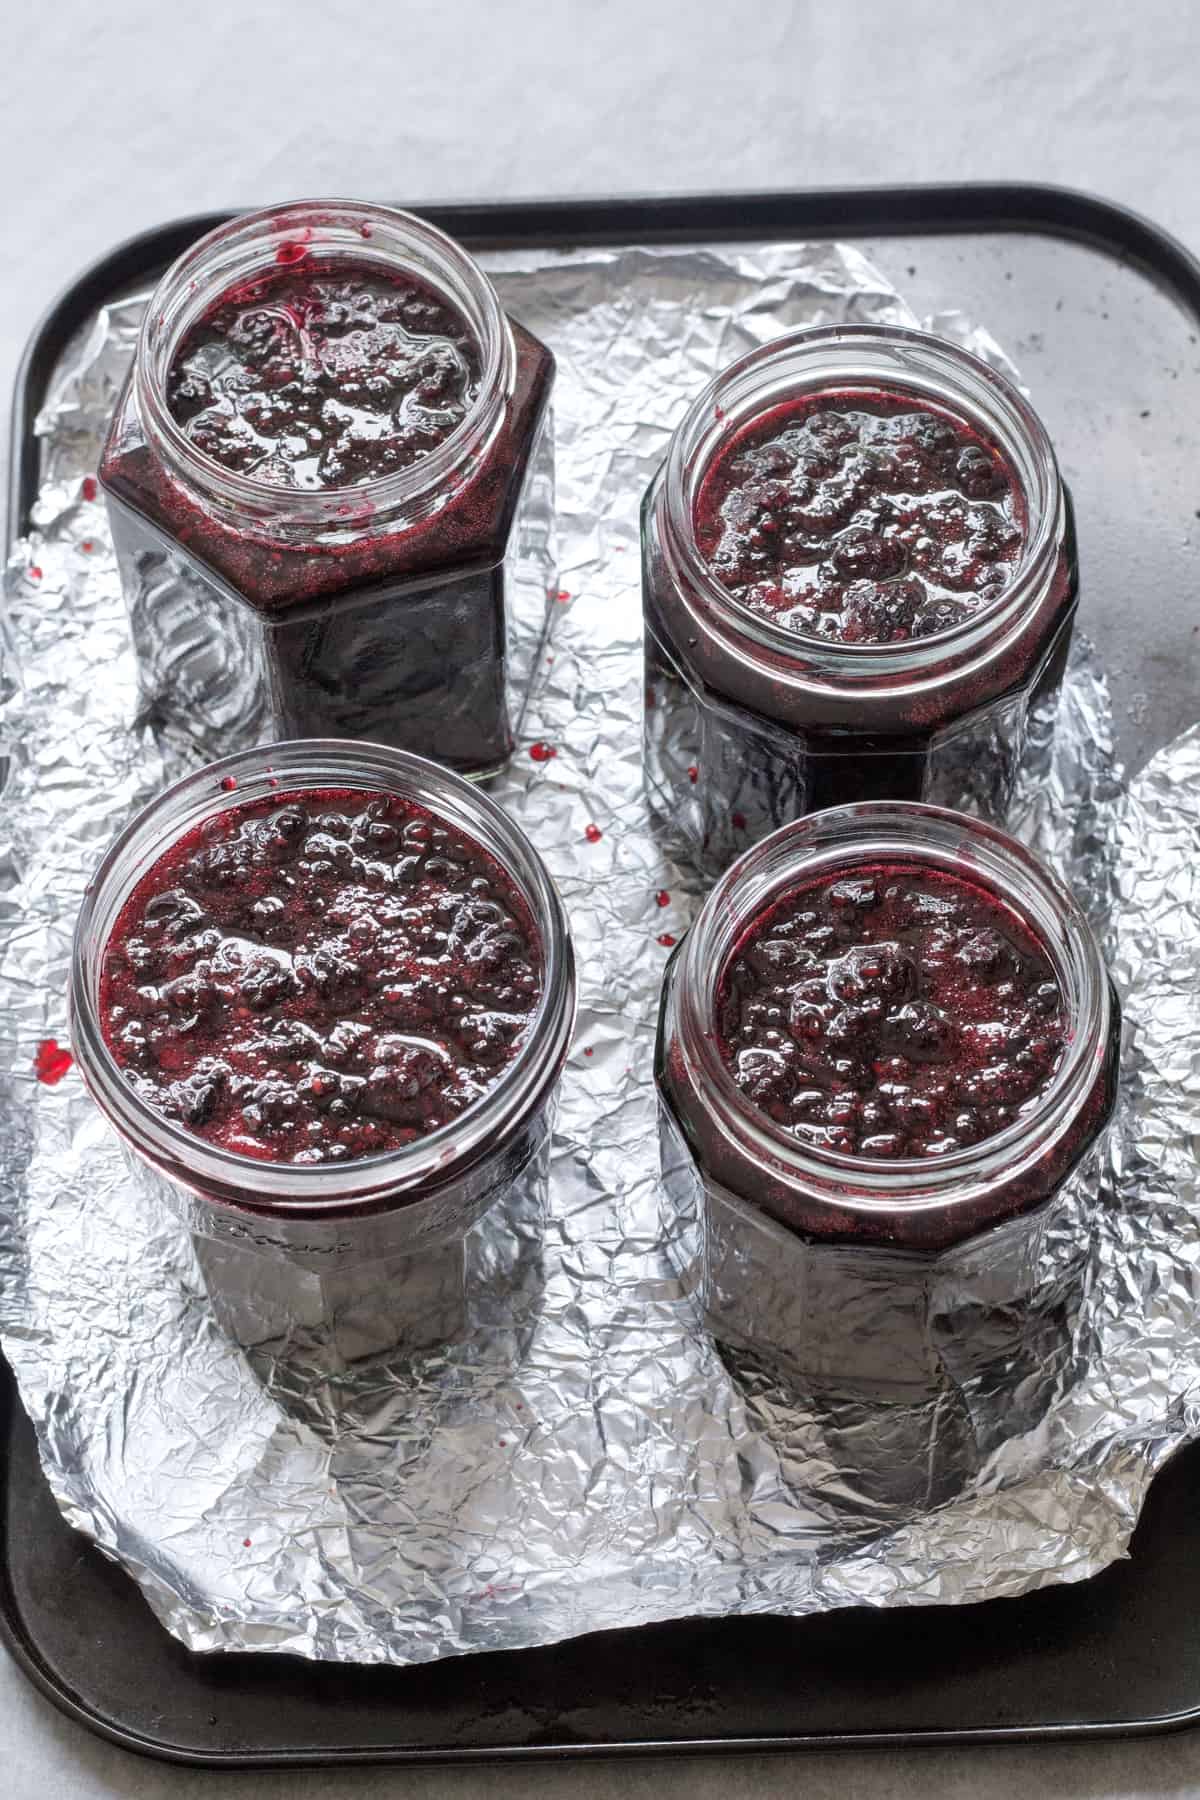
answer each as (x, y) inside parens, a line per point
(328, 1188)
(840, 840)
(841, 358)
(331, 231)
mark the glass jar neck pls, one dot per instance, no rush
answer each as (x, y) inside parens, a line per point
(842, 358)
(327, 232)
(323, 1190)
(883, 832)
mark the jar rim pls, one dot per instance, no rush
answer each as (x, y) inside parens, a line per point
(357, 230)
(732, 399)
(871, 831)
(326, 1190)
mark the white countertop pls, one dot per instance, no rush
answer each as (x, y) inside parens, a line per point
(122, 114)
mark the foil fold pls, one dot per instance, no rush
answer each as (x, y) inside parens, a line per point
(585, 1459)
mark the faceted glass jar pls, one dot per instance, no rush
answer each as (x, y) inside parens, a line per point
(407, 609)
(749, 724)
(919, 1280)
(370, 1250)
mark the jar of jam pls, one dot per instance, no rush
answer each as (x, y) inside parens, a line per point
(859, 575)
(886, 1043)
(330, 481)
(324, 992)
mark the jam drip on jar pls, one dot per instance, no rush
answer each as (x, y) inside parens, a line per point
(320, 975)
(891, 1011)
(861, 517)
(319, 377)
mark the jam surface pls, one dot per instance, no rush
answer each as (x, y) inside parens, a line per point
(863, 517)
(320, 975)
(324, 376)
(891, 1011)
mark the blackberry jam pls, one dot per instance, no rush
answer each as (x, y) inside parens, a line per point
(319, 975)
(330, 481)
(858, 578)
(897, 1011)
(324, 991)
(884, 1045)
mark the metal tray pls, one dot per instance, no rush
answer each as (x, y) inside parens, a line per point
(1102, 312)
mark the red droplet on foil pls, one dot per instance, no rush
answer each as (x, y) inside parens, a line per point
(87, 545)
(88, 488)
(662, 898)
(229, 783)
(364, 229)
(245, 1543)
(693, 774)
(665, 939)
(272, 781)
(51, 1062)
(589, 1050)
(562, 596)
(541, 753)
(35, 574)
(593, 834)
(739, 821)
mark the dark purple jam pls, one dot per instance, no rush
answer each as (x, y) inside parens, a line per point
(892, 1011)
(414, 625)
(318, 377)
(861, 517)
(320, 975)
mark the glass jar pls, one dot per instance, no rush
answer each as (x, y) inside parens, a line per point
(370, 1249)
(407, 608)
(749, 724)
(910, 1278)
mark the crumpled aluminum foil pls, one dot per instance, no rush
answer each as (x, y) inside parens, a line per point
(601, 1468)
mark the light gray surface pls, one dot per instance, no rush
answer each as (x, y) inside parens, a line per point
(118, 116)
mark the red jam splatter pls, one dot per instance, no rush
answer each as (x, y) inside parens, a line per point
(290, 253)
(229, 784)
(738, 821)
(88, 489)
(87, 546)
(51, 1062)
(364, 230)
(666, 939)
(245, 1543)
(693, 773)
(589, 1050)
(35, 574)
(890, 1011)
(593, 834)
(662, 898)
(562, 596)
(542, 753)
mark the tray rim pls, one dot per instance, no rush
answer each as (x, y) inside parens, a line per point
(22, 1647)
(928, 209)
(931, 209)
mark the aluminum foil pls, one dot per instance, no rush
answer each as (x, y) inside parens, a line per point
(592, 1463)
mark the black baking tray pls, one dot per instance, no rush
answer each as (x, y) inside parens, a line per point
(1102, 311)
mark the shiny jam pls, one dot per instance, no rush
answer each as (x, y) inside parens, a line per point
(893, 1011)
(320, 975)
(323, 377)
(861, 517)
